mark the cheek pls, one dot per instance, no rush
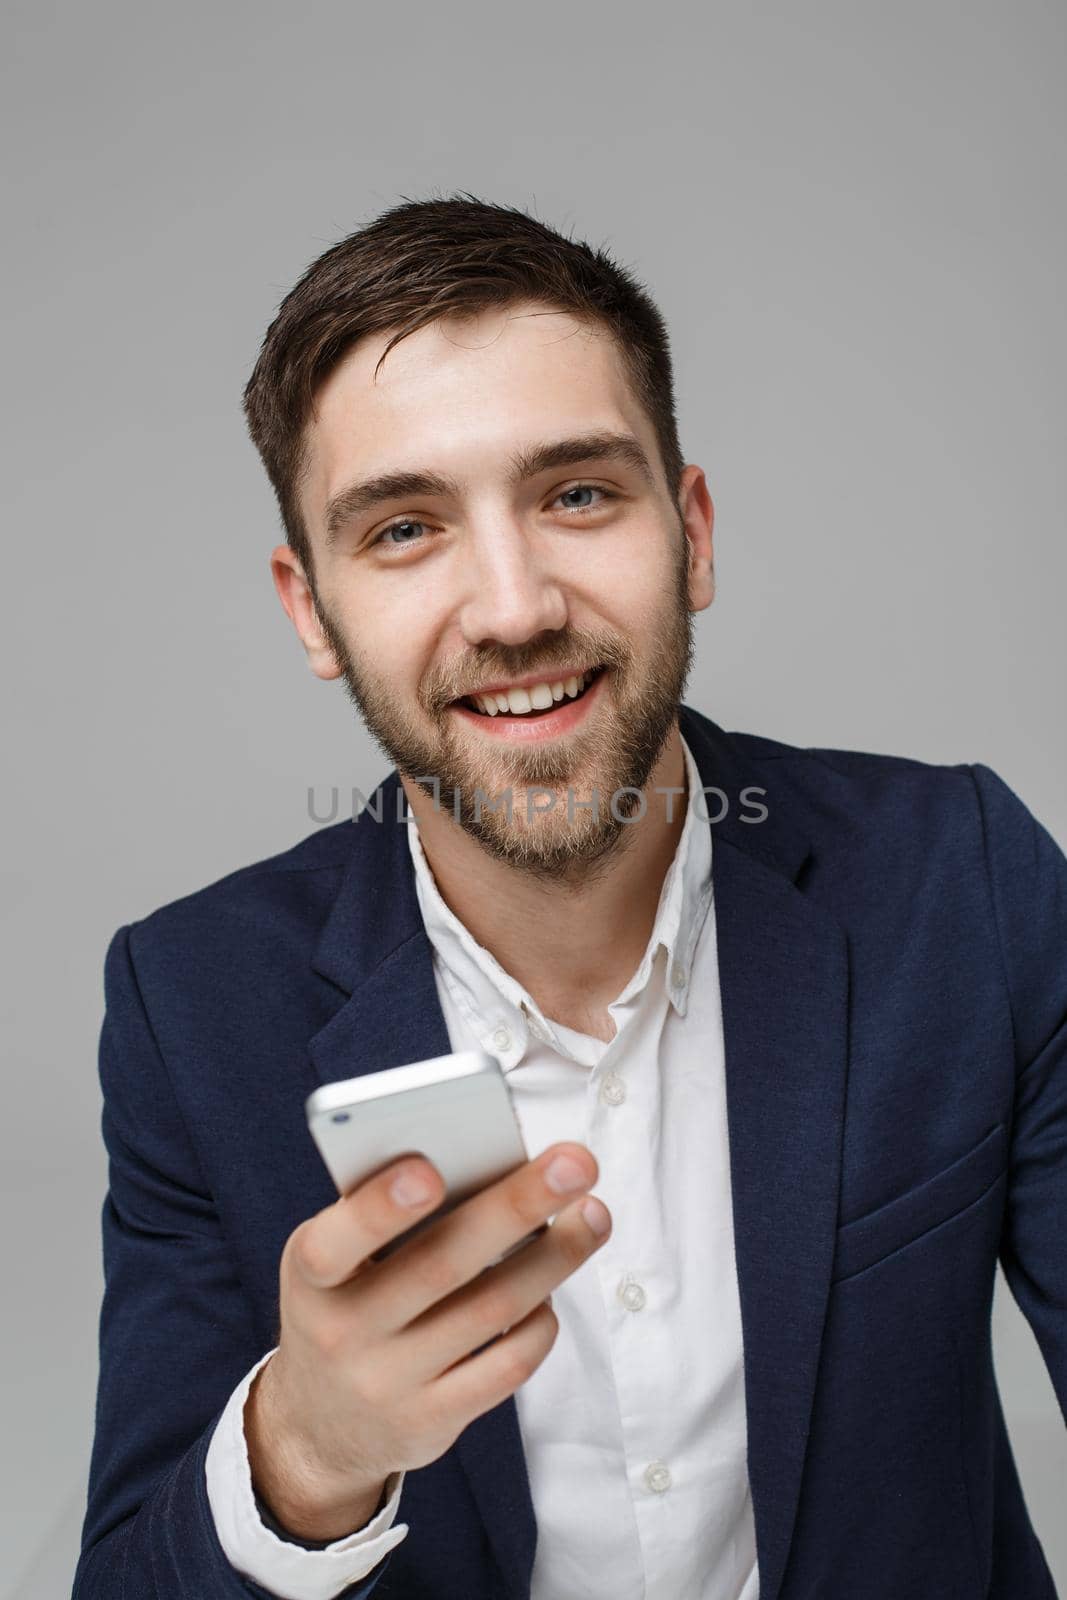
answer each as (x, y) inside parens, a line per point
(629, 578)
(394, 628)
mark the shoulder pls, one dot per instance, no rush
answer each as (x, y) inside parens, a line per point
(823, 788)
(880, 824)
(258, 928)
(255, 926)
(906, 789)
(824, 765)
(286, 884)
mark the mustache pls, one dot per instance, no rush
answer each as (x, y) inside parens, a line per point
(548, 658)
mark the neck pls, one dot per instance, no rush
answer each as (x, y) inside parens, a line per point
(572, 946)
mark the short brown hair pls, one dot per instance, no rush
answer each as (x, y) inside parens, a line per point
(417, 262)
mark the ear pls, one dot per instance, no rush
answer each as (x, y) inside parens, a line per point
(295, 594)
(698, 516)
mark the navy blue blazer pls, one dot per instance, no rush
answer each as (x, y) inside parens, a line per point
(893, 965)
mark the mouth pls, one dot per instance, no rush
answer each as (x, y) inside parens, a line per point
(540, 710)
(534, 701)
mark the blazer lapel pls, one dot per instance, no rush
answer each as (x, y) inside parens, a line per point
(783, 976)
(374, 948)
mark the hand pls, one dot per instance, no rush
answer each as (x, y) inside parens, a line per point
(374, 1371)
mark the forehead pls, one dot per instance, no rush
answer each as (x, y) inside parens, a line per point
(460, 393)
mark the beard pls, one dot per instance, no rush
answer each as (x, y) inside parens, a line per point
(573, 838)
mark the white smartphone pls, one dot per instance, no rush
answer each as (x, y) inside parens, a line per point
(455, 1110)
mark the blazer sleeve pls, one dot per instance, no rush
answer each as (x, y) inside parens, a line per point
(1028, 879)
(176, 1334)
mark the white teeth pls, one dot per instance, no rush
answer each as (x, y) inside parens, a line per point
(538, 697)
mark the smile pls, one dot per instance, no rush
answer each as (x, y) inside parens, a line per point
(541, 710)
(532, 699)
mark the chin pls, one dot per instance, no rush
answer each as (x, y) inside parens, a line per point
(550, 847)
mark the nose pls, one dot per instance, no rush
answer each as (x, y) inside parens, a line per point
(511, 594)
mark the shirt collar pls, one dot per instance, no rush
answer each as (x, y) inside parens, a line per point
(684, 898)
(499, 1011)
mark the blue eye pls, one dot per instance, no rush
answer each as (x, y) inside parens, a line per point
(586, 488)
(393, 527)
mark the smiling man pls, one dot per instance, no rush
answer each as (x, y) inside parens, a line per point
(807, 1038)
(532, 615)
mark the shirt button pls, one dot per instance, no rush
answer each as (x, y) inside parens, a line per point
(678, 975)
(502, 1039)
(631, 1294)
(612, 1090)
(658, 1477)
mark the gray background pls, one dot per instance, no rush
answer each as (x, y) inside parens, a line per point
(852, 217)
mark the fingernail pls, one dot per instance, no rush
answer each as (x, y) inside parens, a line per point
(596, 1215)
(564, 1175)
(410, 1187)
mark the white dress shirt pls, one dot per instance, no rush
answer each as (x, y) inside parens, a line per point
(633, 1426)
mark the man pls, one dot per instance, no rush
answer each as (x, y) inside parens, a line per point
(799, 1016)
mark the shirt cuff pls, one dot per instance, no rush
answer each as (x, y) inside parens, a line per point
(286, 1568)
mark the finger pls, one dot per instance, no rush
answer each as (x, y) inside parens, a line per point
(482, 1381)
(331, 1246)
(461, 1244)
(503, 1296)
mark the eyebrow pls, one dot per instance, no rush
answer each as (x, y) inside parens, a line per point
(357, 498)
